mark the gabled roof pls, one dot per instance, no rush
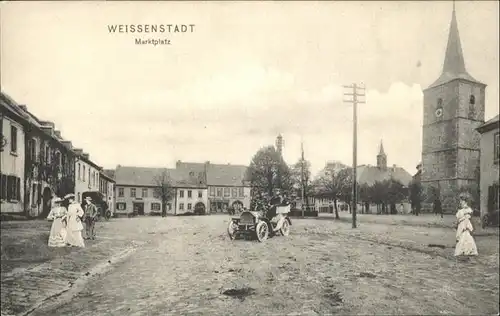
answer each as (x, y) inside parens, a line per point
(143, 176)
(217, 174)
(226, 175)
(489, 125)
(454, 63)
(371, 174)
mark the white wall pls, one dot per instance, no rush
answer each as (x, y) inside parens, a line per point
(12, 164)
(82, 182)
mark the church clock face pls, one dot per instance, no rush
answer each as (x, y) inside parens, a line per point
(439, 112)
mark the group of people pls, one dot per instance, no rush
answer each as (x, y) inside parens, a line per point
(68, 219)
(269, 204)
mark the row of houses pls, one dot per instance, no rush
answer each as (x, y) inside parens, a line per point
(195, 187)
(37, 163)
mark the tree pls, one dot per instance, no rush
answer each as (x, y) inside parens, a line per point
(268, 171)
(164, 190)
(335, 184)
(301, 178)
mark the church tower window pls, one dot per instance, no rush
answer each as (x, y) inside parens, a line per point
(472, 100)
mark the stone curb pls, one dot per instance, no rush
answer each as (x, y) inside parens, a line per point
(76, 286)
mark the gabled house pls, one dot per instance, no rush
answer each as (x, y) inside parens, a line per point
(227, 184)
(489, 165)
(48, 162)
(12, 156)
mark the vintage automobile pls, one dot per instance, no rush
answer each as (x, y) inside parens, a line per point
(100, 202)
(256, 225)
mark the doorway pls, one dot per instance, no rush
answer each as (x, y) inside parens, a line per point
(138, 208)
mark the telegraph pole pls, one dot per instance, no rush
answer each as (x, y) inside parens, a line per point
(302, 178)
(357, 91)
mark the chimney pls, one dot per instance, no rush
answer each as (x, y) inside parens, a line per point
(78, 151)
(178, 164)
(207, 162)
(58, 134)
(86, 156)
(48, 124)
(23, 107)
(67, 144)
(48, 129)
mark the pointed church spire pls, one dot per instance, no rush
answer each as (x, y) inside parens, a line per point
(454, 61)
(381, 150)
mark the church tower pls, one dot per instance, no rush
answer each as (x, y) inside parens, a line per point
(382, 158)
(453, 109)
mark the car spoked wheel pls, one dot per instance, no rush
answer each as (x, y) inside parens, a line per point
(231, 229)
(285, 228)
(262, 231)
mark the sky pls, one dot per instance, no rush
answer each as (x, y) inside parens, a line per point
(247, 72)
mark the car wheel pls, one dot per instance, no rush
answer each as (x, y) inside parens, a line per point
(285, 228)
(262, 231)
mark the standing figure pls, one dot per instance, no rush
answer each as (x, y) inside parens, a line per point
(57, 214)
(90, 218)
(438, 209)
(74, 227)
(465, 242)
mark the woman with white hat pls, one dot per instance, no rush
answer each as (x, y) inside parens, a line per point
(74, 227)
(57, 214)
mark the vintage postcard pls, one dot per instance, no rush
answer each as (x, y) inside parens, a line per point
(249, 157)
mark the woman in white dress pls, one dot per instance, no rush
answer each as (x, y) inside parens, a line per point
(74, 227)
(57, 214)
(466, 245)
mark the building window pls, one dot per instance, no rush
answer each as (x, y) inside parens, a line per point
(472, 99)
(120, 206)
(181, 206)
(13, 139)
(10, 188)
(496, 148)
(83, 179)
(155, 206)
(219, 192)
(227, 192)
(190, 194)
(144, 193)
(200, 194)
(241, 192)
(156, 193)
(212, 191)
(78, 197)
(189, 206)
(32, 149)
(132, 192)
(121, 192)
(47, 154)
(440, 102)
(234, 192)
(79, 175)
(89, 176)
(181, 193)
(169, 206)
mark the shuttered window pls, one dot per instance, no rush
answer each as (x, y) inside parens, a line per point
(10, 189)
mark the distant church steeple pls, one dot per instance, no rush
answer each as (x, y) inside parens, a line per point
(279, 144)
(381, 157)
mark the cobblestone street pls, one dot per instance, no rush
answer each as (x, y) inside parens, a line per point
(323, 267)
